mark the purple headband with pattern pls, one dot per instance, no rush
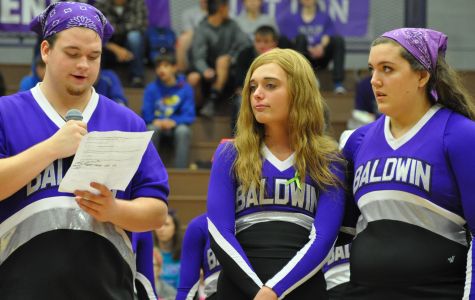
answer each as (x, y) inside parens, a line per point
(424, 44)
(60, 16)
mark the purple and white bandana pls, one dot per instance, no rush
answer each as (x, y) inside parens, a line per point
(424, 44)
(60, 16)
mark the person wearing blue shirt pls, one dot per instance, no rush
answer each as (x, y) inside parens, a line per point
(315, 36)
(37, 74)
(169, 108)
(109, 85)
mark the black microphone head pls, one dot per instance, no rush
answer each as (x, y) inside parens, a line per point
(73, 114)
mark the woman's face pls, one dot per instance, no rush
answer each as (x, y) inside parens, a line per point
(269, 95)
(395, 85)
(166, 232)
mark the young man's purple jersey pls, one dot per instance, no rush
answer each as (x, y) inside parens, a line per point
(415, 194)
(283, 219)
(43, 232)
(197, 255)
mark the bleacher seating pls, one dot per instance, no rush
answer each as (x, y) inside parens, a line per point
(188, 190)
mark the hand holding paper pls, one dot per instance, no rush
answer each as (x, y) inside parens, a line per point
(110, 158)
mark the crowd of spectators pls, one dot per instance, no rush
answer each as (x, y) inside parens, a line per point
(200, 69)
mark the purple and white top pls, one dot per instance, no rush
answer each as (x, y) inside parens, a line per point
(197, 255)
(415, 194)
(234, 212)
(38, 211)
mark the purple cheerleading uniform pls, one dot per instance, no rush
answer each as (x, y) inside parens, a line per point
(337, 267)
(142, 244)
(415, 194)
(197, 254)
(43, 232)
(282, 222)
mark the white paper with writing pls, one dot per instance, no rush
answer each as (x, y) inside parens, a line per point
(109, 157)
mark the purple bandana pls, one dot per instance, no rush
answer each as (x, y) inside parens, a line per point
(60, 16)
(424, 44)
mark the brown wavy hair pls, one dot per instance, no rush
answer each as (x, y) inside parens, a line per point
(446, 81)
(314, 150)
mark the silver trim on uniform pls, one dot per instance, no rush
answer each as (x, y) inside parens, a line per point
(412, 209)
(247, 221)
(147, 285)
(337, 275)
(348, 230)
(192, 292)
(468, 278)
(58, 213)
(211, 284)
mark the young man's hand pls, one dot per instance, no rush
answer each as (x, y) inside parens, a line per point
(103, 206)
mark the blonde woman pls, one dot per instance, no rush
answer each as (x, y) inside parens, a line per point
(275, 201)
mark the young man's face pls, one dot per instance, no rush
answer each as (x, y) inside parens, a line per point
(263, 43)
(165, 71)
(73, 62)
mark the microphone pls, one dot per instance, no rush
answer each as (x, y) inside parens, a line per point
(73, 114)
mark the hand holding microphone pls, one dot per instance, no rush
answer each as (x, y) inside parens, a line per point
(73, 114)
(66, 140)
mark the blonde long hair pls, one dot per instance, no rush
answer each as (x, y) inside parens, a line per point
(314, 150)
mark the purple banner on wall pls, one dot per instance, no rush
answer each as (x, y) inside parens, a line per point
(350, 16)
(15, 15)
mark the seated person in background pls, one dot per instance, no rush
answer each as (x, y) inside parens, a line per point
(366, 109)
(167, 240)
(169, 108)
(191, 17)
(315, 36)
(216, 42)
(163, 289)
(265, 38)
(251, 18)
(129, 18)
(109, 85)
(38, 73)
(3, 88)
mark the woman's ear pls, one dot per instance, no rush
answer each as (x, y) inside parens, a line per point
(424, 78)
